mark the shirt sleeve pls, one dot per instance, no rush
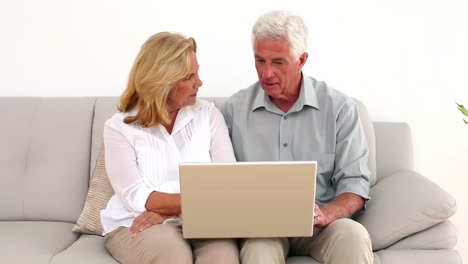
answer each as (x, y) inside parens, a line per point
(220, 145)
(351, 171)
(123, 173)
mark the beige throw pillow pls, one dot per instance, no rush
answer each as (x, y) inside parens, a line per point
(99, 193)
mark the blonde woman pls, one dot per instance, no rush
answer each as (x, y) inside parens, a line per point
(160, 124)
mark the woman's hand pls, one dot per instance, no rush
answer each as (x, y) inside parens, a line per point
(146, 220)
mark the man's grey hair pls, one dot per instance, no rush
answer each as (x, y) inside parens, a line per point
(282, 24)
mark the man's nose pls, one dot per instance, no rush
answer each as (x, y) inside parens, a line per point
(267, 71)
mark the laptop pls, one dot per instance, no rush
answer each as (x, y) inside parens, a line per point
(247, 199)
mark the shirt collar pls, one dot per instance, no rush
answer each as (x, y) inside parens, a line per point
(184, 116)
(260, 97)
(307, 96)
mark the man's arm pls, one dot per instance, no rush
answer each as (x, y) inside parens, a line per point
(351, 176)
(351, 173)
(344, 205)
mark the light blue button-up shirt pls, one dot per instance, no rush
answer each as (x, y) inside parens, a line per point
(323, 125)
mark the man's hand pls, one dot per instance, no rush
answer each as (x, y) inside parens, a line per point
(343, 206)
(321, 218)
(146, 220)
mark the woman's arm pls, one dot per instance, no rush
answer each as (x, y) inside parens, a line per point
(127, 182)
(122, 170)
(164, 203)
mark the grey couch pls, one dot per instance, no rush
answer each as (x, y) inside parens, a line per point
(48, 149)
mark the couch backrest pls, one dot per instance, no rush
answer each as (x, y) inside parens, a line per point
(394, 146)
(44, 157)
(370, 136)
(104, 109)
(48, 150)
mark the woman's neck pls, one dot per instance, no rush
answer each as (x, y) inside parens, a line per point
(172, 117)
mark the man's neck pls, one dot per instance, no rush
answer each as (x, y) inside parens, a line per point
(289, 98)
(285, 103)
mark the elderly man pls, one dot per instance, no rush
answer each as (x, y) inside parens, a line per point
(286, 115)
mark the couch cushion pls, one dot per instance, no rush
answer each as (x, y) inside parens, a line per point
(308, 260)
(400, 257)
(417, 256)
(99, 193)
(440, 236)
(403, 204)
(33, 242)
(44, 157)
(87, 249)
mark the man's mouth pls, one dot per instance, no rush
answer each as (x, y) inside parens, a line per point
(269, 84)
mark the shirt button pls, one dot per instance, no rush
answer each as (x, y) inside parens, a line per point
(285, 144)
(285, 117)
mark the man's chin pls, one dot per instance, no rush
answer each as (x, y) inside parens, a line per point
(271, 90)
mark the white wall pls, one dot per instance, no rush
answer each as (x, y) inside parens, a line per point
(407, 60)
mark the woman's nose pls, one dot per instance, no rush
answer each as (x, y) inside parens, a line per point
(199, 82)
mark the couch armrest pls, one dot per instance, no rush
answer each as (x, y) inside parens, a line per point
(403, 204)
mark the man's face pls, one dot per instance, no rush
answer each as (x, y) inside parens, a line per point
(279, 74)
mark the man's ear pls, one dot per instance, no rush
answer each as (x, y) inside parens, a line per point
(303, 59)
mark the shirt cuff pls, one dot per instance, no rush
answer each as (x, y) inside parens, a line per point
(139, 200)
(356, 185)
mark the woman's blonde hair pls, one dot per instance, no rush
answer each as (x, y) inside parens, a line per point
(162, 61)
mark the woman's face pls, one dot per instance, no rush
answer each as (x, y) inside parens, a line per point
(185, 91)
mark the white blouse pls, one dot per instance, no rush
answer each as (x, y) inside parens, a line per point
(142, 160)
